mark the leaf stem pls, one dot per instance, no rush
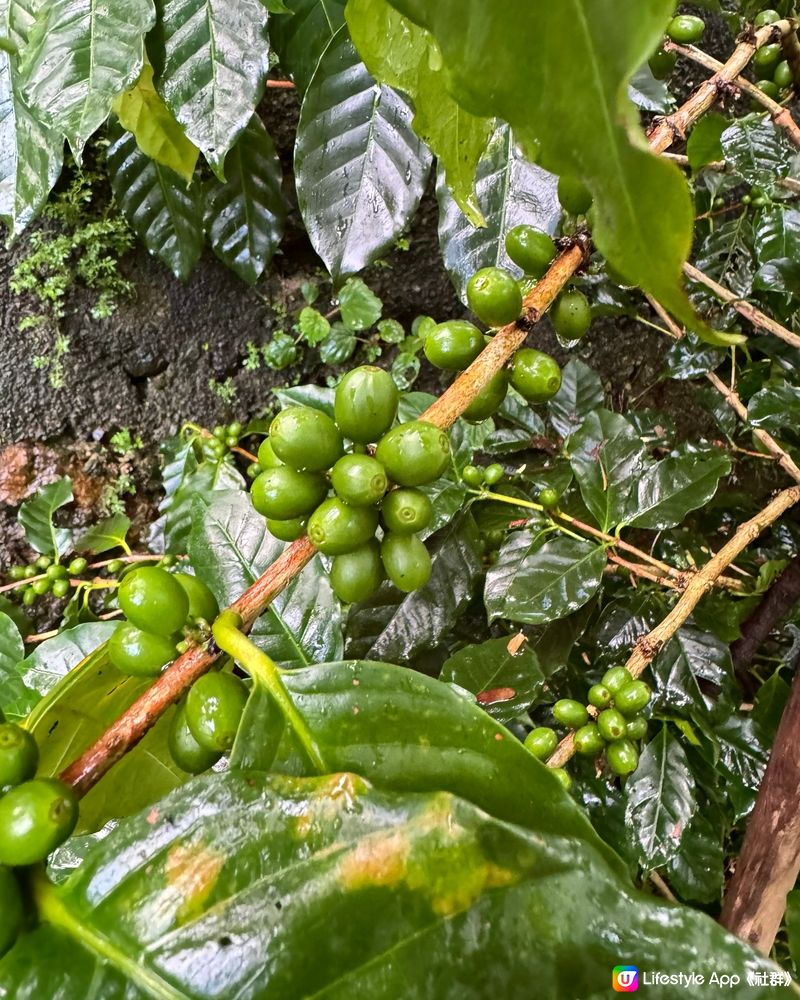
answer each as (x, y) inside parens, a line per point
(264, 671)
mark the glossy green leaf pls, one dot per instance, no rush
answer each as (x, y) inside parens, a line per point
(510, 190)
(110, 533)
(607, 457)
(704, 144)
(82, 54)
(250, 872)
(36, 517)
(399, 53)
(230, 548)
(54, 658)
(360, 169)
(686, 668)
(668, 490)
(398, 627)
(774, 408)
(697, 871)
(742, 759)
(537, 580)
(31, 154)
(581, 392)
(19, 17)
(203, 480)
(212, 60)
(359, 305)
(163, 214)
(506, 683)
(245, 215)
(78, 709)
(757, 150)
(661, 800)
(301, 38)
(141, 111)
(13, 693)
(571, 101)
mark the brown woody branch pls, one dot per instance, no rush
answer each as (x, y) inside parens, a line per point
(771, 612)
(665, 131)
(778, 113)
(769, 863)
(650, 645)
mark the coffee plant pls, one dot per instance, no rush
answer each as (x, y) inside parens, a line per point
(401, 694)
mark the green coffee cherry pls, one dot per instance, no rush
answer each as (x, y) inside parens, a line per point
(114, 567)
(306, 439)
(588, 741)
(599, 696)
(35, 818)
(202, 603)
(184, 748)
(570, 713)
(139, 653)
(267, 459)
(766, 59)
(289, 530)
(29, 597)
(686, 29)
(61, 588)
(43, 562)
(636, 728)
(19, 755)
(56, 572)
(549, 498)
(336, 528)
(632, 698)
(356, 575)
(492, 474)
(531, 249)
(612, 725)
(783, 76)
(359, 480)
(366, 404)
(541, 742)
(563, 778)
(535, 375)
(622, 757)
(414, 453)
(771, 89)
(472, 476)
(766, 17)
(406, 511)
(454, 345)
(574, 196)
(571, 315)
(662, 64)
(616, 678)
(17, 573)
(214, 707)
(284, 493)
(153, 600)
(406, 561)
(489, 400)
(77, 566)
(494, 296)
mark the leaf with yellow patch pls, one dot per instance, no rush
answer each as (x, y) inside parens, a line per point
(158, 135)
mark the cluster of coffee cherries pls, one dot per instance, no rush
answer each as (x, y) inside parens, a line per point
(206, 721)
(46, 576)
(376, 481)
(223, 438)
(36, 816)
(160, 608)
(611, 722)
(773, 72)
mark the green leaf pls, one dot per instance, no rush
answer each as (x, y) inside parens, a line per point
(54, 658)
(684, 670)
(510, 190)
(230, 548)
(757, 150)
(506, 683)
(697, 872)
(301, 38)
(668, 490)
(79, 708)
(245, 215)
(704, 144)
(163, 214)
(360, 169)
(36, 517)
(403, 55)
(661, 801)
(742, 759)
(607, 457)
(141, 111)
(109, 533)
(13, 693)
(204, 480)
(774, 408)
(31, 154)
(338, 346)
(581, 392)
(281, 351)
(537, 580)
(212, 62)
(359, 306)
(567, 99)
(313, 326)
(386, 887)
(397, 628)
(80, 57)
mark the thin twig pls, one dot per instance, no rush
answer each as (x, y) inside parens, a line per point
(720, 166)
(778, 113)
(650, 645)
(750, 313)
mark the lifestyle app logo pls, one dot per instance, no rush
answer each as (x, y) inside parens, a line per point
(625, 978)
